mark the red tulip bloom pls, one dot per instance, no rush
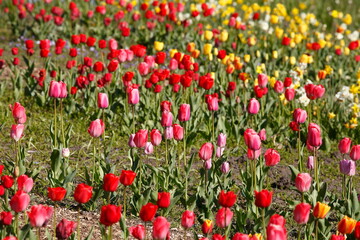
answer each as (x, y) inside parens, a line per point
(6, 218)
(103, 100)
(19, 113)
(56, 194)
(19, 201)
(110, 214)
(16, 132)
(355, 152)
(83, 193)
(184, 113)
(299, 115)
(314, 135)
(223, 217)
(253, 106)
(188, 219)
(272, 157)
(65, 229)
(40, 215)
(294, 126)
(148, 211)
(111, 182)
(163, 199)
(357, 231)
(290, 94)
(303, 182)
(212, 102)
(25, 183)
(263, 198)
(302, 212)
(166, 119)
(206, 151)
(337, 237)
(161, 228)
(276, 232)
(98, 67)
(127, 177)
(156, 137)
(7, 181)
(138, 232)
(240, 236)
(344, 145)
(141, 138)
(207, 226)
(252, 139)
(96, 128)
(227, 199)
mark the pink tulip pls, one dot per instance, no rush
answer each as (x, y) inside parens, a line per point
(314, 135)
(223, 217)
(173, 64)
(40, 215)
(133, 94)
(221, 140)
(166, 119)
(96, 128)
(279, 86)
(276, 232)
(57, 89)
(18, 112)
(188, 219)
(149, 148)
(252, 139)
(19, 201)
(302, 212)
(212, 102)
(206, 151)
(253, 154)
(122, 56)
(184, 113)
(169, 133)
(299, 115)
(150, 60)
(355, 152)
(178, 132)
(219, 151)
(138, 232)
(262, 134)
(347, 167)
(141, 138)
(131, 141)
(303, 182)
(310, 162)
(130, 55)
(208, 164)
(65, 229)
(225, 167)
(16, 132)
(25, 183)
(290, 94)
(155, 136)
(103, 101)
(161, 228)
(253, 106)
(143, 68)
(344, 145)
(262, 80)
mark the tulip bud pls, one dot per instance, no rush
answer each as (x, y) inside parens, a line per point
(65, 152)
(303, 182)
(169, 133)
(347, 167)
(344, 145)
(149, 148)
(221, 140)
(225, 167)
(355, 152)
(310, 162)
(302, 212)
(253, 106)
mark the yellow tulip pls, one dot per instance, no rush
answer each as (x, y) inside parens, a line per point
(207, 49)
(159, 46)
(208, 35)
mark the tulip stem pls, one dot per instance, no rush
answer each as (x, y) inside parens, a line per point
(54, 221)
(124, 212)
(104, 143)
(55, 129)
(133, 115)
(94, 162)
(316, 171)
(17, 229)
(39, 233)
(110, 233)
(316, 229)
(299, 151)
(206, 180)
(299, 233)
(78, 224)
(344, 186)
(185, 236)
(166, 151)
(302, 197)
(213, 126)
(263, 222)
(140, 174)
(185, 165)
(62, 122)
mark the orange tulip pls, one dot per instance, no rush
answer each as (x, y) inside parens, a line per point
(346, 225)
(320, 210)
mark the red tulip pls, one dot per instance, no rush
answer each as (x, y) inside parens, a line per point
(253, 106)
(217, 236)
(178, 131)
(303, 182)
(19, 201)
(212, 102)
(127, 177)
(18, 112)
(188, 219)
(263, 198)
(163, 199)
(272, 157)
(166, 119)
(240, 236)
(6, 218)
(252, 139)
(227, 199)
(57, 89)
(223, 217)
(148, 211)
(294, 126)
(290, 94)
(7, 181)
(262, 80)
(141, 138)
(302, 212)
(56, 194)
(143, 68)
(113, 65)
(337, 237)
(83, 193)
(207, 226)
(314, 135)
(357, 231)
(184, 113)
(314, 91)
(206, 82)
(98, 67)
(25, 183)
(165, 106)
(111, 182)
(40, 215)
(206, 151)
(96, 128)
(16, 132)
(277, 220)
(110, 214)
(161, 228)
(299, 115)
(103, 101)
(355, 152)
(65, 229)
(10, 238)
(344, 145)
(156, 137)
(346, 225)
(138, 232)
(276, 232)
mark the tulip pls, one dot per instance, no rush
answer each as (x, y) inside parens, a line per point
(223, 217)
(252, 155)
(276, 232)
(357, 231)
(347, 167)
(166, 119)
(221, 140)
(143, 68)
(57, 89)
(178, 131)
(56, 194)
(127, 177)
(163, 199)
(263, 198)
(310, 162)
(303, 182)
(272, 157)
(290, 94)
(156, 137)
(16, 132)
(133, 95)
(6, 218)
(299, 115)
(344, 145)
(65, 152)
(207, 226)
(240, 236)
(346, 225)
(212, 102)
(83, 193)
(161, 228)
(10, 238)
(148, 211)
(7, 181)
(140, 138)
(337, 237)
(262, 134)
(187, 219)
(138, 232)
(253, 106)
(25, 183)
(169, 133)
(110, 214)
(314, 135)
(225, 167)
(184, 113)
(111, 182)
(355, 152)
(19, 201)
(320, 210)
(207, 165)
(165, 106)
(219, 151)
(149, 148)
(252, 139)
(96, 128)
(279, 87)
(217, 236)
(227, 199)
(19, 113)
(40, 215)
(262, 80)
(206, 151)
(302, 212)
(103, 101)
(65, 229)
(131, 141)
